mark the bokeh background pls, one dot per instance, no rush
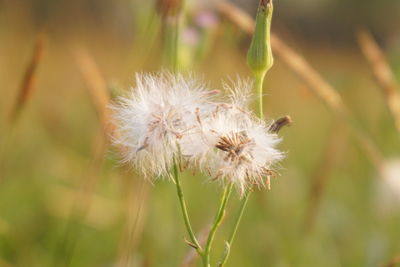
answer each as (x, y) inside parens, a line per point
(66, 201)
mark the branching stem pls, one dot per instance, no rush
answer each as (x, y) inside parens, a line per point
(234, 230)
(217, 222)
(185, 214)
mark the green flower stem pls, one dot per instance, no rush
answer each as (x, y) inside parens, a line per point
(182, 203)
(217, 222)
(260, 60)
(172, 43)
(234, 230)
(258, 87)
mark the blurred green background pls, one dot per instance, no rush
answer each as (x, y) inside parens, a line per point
(66, 201)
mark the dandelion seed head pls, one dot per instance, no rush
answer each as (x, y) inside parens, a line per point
(154, 117)
(237, 147)
(239, 92)
(171, 116)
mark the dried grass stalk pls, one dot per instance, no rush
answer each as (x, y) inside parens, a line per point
(382, 72)
(29, 79)
(96, 85)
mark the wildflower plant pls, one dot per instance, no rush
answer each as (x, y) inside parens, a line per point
(169, 122)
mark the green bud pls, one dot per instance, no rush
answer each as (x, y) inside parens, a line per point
(259, 56)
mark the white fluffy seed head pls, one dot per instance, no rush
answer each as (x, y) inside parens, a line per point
(235, 146)
(168, 116)
(155, 116)
(239, 93)
(240, 150)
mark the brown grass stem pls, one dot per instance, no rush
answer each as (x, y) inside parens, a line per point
(96, 86)
(98, 92)
(382, 73)
(25, 92)
(29, 79)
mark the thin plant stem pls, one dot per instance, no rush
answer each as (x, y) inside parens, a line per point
(192, 255)
(29, 79)
(234, 230)
(96, 85)
(382, 72)
(185, 214)
(217, 222)
(172, 43)
(258, 86)
(171, 53)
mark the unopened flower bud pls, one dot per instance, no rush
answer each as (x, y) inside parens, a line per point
(259, 56)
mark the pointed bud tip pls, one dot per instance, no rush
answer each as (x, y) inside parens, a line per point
(266, 3)
(259, 56)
